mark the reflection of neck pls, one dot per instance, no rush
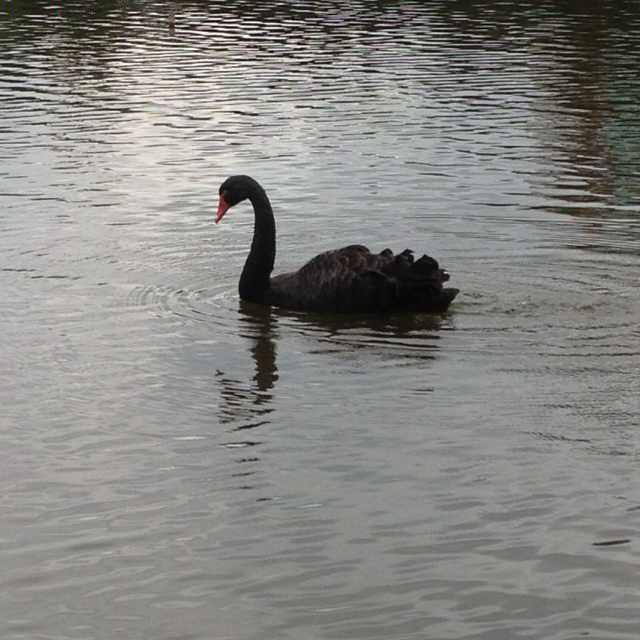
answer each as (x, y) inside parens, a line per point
(264, 354)
(254, 280)
(262, 327)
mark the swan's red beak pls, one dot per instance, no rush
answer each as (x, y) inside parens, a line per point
(223, 205)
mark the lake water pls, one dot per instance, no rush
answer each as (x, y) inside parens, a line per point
(176, 465)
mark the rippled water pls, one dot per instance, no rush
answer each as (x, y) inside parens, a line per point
(178, 465)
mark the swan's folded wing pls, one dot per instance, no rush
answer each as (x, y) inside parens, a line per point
(342, 280)
(352, 279)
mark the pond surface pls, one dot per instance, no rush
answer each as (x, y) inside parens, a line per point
(177, 465)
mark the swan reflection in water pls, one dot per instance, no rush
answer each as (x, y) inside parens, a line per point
(246, 405)
(249, 401)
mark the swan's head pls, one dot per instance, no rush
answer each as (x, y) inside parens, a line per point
(232, 191)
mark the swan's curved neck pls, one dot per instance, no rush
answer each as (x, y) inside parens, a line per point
(256, 273)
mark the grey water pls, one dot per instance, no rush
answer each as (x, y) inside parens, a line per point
(178, 465)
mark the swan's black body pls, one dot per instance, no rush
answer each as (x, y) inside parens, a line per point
(348, 280)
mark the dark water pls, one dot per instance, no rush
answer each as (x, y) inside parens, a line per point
(176, 465)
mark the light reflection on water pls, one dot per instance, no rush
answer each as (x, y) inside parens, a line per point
(177, 464)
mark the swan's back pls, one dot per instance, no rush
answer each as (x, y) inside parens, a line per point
(353, 279)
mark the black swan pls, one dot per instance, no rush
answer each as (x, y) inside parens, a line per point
(348, 280)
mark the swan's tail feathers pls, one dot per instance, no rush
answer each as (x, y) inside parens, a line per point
(421, 284)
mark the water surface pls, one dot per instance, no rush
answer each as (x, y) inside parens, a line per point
(176, 464)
